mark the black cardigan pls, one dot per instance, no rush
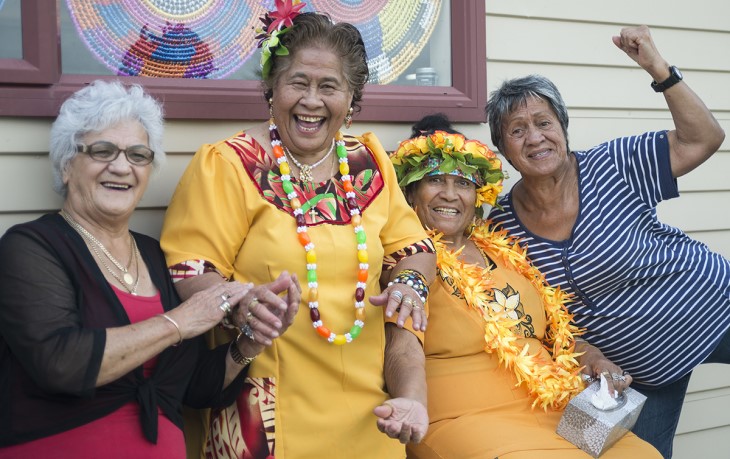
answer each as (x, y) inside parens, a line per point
(55, 307)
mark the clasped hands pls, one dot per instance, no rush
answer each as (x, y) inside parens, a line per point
(267, 310)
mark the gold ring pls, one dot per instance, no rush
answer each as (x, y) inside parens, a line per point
(408, 301)
(417, 307)
(225, 307)
(252, 303)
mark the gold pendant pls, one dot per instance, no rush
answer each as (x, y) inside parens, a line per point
(128, 279)
(305, 173)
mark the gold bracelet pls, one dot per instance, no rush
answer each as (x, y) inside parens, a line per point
(236, 353)
(179, 333)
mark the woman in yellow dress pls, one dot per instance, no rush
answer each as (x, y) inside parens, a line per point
(294, 194)
(500, 347)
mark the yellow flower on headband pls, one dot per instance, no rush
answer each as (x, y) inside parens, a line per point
(444, 153)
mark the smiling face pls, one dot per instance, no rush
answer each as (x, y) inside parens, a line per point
(445, 203)
(534, 141)
(310, 101)
(107, 192)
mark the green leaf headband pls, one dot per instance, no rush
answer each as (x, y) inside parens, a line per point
(443, 153)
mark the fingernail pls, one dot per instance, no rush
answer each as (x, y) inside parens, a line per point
(274, 335)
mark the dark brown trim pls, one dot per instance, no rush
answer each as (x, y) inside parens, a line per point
(230, 99)
(40, 63)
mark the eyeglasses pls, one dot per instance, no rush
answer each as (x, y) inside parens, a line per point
(106, 152)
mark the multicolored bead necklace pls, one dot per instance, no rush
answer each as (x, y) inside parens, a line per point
(306, 241)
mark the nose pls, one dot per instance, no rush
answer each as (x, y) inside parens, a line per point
(311, 98)
(534, 135)
(448, 191)
(121, 164)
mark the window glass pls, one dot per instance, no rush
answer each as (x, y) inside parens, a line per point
(11, 33)
(408, 42)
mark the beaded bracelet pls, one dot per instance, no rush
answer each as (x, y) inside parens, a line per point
(413, 279)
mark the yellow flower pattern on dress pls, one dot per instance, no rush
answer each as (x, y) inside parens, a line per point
(553, 382)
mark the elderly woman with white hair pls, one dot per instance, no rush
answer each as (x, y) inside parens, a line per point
(96, 351)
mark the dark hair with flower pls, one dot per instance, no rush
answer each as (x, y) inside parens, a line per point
(276, 23)
(444, 153)
(310, 30)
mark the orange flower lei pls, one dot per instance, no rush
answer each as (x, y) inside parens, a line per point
(552, 383)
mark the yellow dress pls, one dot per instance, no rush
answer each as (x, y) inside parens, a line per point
(475, 409)
(309, 398)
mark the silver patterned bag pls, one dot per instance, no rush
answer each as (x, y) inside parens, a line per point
(594, 430)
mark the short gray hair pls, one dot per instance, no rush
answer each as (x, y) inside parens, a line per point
(513, 93)
(96, 107)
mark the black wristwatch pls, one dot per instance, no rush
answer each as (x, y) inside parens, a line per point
(675, 76)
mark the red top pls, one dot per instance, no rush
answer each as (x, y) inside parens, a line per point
(118, 435)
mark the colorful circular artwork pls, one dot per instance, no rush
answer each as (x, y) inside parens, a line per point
(169, 38)
(213, 38)
(394, 32)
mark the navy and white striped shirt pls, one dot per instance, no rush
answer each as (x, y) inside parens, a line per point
(653, 300)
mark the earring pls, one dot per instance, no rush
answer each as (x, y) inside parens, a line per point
(470, 229)
(271, 107)
(348, 119)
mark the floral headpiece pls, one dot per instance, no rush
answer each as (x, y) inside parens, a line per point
(276, 23)
(443, 153)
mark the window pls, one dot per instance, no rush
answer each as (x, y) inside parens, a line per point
(36, 83)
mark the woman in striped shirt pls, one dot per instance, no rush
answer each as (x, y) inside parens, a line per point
(653, 301)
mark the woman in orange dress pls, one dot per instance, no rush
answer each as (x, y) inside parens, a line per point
(500, 346)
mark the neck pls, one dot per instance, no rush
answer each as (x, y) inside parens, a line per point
(104, 230)
(541, 193)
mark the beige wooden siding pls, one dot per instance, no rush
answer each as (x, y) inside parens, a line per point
(608, 96)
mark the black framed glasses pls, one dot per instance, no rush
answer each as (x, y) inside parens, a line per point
(106, 152)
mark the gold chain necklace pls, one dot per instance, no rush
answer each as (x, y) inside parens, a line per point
(126, 280)
(305, 170)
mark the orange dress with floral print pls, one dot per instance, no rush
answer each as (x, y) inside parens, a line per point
(476, 409)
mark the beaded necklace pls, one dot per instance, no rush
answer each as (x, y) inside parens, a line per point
(126, 279)
(305, 170)
(308, 245)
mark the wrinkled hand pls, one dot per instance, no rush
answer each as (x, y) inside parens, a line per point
(638, 44)
(402, 418)
(203, 310)
(406, 302)
(267, 313)
(595, 363)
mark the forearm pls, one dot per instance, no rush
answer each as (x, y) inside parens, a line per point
(130, 346)
(188, 287)
(405, 365)
(248, 349)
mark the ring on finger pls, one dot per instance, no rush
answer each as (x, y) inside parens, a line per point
(618, 377)
(252, 303)
(408, 301)
(398, 295)
(225, 307)
(249, 316)
(417, 307)
(248, 331)
(225, 297)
